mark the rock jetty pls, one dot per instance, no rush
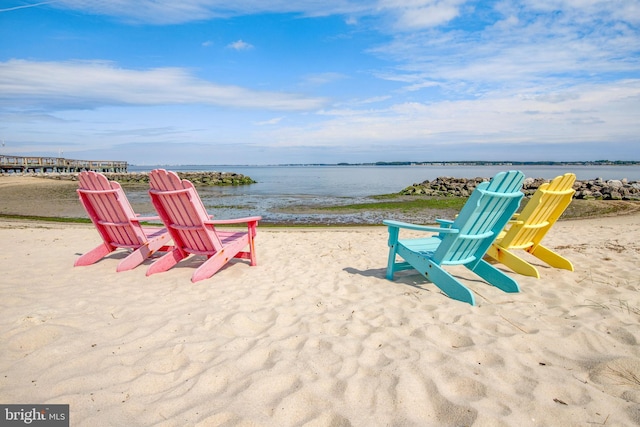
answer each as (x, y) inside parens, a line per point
(614, 189)
(198, 178)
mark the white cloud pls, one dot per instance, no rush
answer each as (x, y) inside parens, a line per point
(172, 12)
(539, 72)
(429, 16)
(147, 11)
(417, 14)
(583, 10)
(409, 14)
(351, 21)
(240, 45)
(89, 84)
(25, 6)
(372, 100)
(421, 85)
(590, 113)
(518, 47)
(403, 14)
(323, 78)
(269, 122)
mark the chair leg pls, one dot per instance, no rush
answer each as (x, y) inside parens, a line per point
(495, 277)
(252, 251)
(391, 262)
(166, 261)
(220, 258)
(210, 266)
(552, 258)
(394, 233)
(160, 243)
(449, 285)
(138, 256)
(94, 255)
(134, 259)
(430, 270)
(512, 261)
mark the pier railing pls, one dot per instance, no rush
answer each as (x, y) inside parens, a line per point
(58, 164)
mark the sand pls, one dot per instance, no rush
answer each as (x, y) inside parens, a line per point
(316, 336)
(34, 196)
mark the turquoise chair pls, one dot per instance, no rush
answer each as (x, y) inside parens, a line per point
(463, 241)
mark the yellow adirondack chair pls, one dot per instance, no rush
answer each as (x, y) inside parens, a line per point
(527, 229)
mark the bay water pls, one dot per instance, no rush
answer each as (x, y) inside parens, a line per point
(281, 188)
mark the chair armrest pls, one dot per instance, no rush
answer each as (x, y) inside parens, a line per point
(444, 222)
(398, 224)
(248, 219)
(147, 218)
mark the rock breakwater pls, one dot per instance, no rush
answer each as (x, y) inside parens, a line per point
(614, 189)
(198, 178)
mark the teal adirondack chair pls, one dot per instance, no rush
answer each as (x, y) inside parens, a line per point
(463, 241)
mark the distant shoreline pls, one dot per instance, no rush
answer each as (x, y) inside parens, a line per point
(414, 163)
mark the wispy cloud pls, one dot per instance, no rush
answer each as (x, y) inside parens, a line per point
(519, 47)
(323, 78)
(419, 14)
(90, 84)
(590, 113)
(148, 11)
(25, 6)
(240, 45)
(406, 15)
(502, 73)
(171, 11)
(269, 122)
(372, 100)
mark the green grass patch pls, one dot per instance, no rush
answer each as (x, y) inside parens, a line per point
(213, 207)
(47, 218)
(60, 219)
(402, 204)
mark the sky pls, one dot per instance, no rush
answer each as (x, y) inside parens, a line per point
(260, 82)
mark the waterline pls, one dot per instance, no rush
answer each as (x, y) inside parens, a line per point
(281, 190)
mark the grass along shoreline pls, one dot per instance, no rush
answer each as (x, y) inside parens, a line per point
(36, 199)
(412, 205)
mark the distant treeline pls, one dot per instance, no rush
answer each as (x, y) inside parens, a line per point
(503, 163)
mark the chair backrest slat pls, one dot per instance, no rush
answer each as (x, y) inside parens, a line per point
(484, 215)
(183, 213)
(541, 212)
(109, 210)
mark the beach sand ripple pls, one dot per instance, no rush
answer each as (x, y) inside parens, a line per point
(316, 336)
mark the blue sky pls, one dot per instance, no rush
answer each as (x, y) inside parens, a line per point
(273, 82)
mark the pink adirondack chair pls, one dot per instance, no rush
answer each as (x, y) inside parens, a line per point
(192, 229)
(118, 225)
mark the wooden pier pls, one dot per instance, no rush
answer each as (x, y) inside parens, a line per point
(57, 164)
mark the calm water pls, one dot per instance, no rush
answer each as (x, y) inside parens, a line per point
(285, 186)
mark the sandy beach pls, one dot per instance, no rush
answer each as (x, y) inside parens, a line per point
(316, 336)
